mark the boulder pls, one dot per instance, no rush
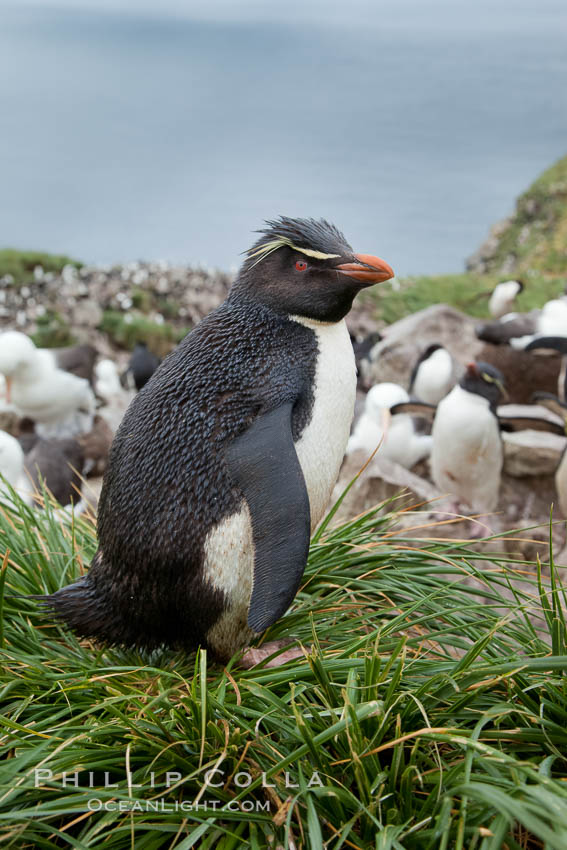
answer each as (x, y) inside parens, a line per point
(393, 358)
(532, 453)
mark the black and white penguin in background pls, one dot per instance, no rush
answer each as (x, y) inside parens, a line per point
(434, 374)
(519, 329)
(503, 297)
(225, 461)
(554, 343)
(467, 453)
(143, 363)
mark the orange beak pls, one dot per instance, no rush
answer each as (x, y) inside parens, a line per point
(8, 390)
(367, 269)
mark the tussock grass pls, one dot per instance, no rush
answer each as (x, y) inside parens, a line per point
(426, 713)
(125, 330)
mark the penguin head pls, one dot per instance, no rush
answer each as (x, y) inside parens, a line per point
(383, 396)
(510, 287)
(485, 380)
(434, 350)
(306, 268)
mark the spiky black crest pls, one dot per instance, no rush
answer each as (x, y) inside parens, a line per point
(318, 239)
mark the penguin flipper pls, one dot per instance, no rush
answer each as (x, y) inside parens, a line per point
(413, 407)
(556, 343)
(531, 423)
(264, 464)
(551, 402)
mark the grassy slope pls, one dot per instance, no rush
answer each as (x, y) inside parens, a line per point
(467, 292)
(537, 233)
(536, 237)
(20, 264)
(433, 720)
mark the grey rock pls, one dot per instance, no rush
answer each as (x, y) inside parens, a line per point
(86, 313)
(392, 358)
(532, 453)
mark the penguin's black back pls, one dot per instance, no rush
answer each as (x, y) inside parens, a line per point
(167, 483)
(143, 364)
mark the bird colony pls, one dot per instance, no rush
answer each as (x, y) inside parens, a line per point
(59, 408)
(220, 462)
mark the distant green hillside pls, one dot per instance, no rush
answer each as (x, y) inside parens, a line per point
(535, 237)
(468, 292)
(531, 244)
(20, 264)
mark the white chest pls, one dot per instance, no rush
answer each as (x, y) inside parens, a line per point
(463, 419)
(322, 444)
(466, 459)
(433, 379)
(502, 299)
(229, 548)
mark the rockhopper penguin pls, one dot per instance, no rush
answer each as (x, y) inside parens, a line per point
(519, 329)
(225, 461)
(467, 454)
(503, 297)
(433, 375)
(142, 366)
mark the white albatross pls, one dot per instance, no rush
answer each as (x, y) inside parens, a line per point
(395, 434)
(12, 470)
(60, 403)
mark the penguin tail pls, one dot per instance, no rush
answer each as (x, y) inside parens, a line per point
(78, 606)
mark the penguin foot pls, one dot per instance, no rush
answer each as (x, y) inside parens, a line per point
(479, 531)
(256, 655)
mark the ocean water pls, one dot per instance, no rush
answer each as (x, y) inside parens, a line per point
(172, 130)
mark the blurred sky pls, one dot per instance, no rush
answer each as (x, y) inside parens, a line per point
(143, 129)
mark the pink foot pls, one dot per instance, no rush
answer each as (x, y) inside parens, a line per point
(257, 655)
(479, 530)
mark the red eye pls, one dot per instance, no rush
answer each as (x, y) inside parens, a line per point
(301, 265)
